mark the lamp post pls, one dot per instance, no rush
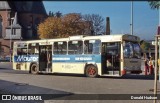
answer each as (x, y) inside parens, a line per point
(159, 13)
(11, 40)
(157, 59)
(131, 17)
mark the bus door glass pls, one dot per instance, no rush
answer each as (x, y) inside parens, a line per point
(45, 58)
(111, 58)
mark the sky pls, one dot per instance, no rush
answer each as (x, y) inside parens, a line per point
(145, 19)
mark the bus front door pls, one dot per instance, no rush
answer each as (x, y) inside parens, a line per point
(45, 58)
(111, 58)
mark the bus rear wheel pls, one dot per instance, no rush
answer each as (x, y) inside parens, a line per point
(91, 71)
(34, 69)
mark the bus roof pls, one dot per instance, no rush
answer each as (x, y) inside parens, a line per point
(103, 38)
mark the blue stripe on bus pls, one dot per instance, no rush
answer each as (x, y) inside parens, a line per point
(60, 58)
(26, 58)
(76, 58)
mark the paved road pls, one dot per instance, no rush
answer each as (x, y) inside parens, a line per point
(21, 82)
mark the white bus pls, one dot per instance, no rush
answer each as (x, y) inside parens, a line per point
(104, 55)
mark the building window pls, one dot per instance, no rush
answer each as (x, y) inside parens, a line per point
(13, 31)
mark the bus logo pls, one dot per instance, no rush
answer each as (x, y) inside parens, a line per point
(23, 58)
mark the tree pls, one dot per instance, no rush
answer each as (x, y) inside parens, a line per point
(74, 25)
(96, 23)
(58, 14)
(50, 13)
(154, 4)
(145, 46)
(67, 25)
(50, 28)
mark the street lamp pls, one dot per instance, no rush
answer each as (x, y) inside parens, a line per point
(11, 41)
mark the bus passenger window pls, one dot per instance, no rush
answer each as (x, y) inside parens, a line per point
(60, 48)
(21, 51)
(33, 48)
(92, 46)
(75, 47)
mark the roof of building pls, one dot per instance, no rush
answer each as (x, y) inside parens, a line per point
(4, 5)
(35, 7)
(16, 26)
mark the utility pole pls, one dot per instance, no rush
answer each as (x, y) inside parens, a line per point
(156, 58)
(131, 17)
(11, 40)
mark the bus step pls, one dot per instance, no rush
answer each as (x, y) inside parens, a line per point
(48, 69)
(113, 72)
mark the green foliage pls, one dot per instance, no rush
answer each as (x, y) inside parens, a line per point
(145, 46)
(154, 4)
(56, 14)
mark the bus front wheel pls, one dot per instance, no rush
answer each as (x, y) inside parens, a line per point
(34, 69)
(91, 71)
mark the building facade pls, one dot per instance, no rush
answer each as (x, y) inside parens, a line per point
(19, 21)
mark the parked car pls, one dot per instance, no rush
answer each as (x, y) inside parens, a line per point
(5, 59)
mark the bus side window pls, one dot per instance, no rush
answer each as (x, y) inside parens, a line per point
(80, 47)
(60, 48)
(75, 47)
(92, 46)
(21, 51)
(33, 48)
(86, 47)
(96, 47)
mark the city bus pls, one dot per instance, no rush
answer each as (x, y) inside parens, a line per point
(102, 55)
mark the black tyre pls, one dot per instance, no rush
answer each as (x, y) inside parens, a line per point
(34, 69)
(91, 71)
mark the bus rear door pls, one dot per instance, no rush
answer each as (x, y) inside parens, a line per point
(111, 58)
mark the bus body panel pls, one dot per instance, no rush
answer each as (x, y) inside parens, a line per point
(23, 62)
(77, 68)
(132, 64)
(74, 63)
(22, 66)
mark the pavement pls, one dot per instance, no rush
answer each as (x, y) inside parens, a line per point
(25, 88)
(6, 65)
(14, 88)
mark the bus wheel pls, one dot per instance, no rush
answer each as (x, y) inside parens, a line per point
(34, 69)
(91, 71)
